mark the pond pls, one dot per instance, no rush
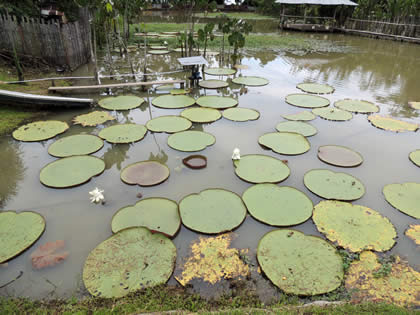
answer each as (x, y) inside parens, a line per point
(382, 72)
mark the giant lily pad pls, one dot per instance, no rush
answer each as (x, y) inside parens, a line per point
(413, 232)
(331, 185)
(130, 260)
(75, 145)
(354, 227)
(191, 140)
(278, 206)
(40, 130)
(338, 155)
(93, 119)
(173, 101)
(301, 116)
(357, 106)
(300, 264)
(415, 157)
(145, 173)
(289, 143)
(168, 124)
(251, 81)
(256, 168)
(220, 71)
(241, 114)
(414, 105)
(334, 114)
(400, 286)
(157, 214)
(218, 102)
(124, 133)
(213, 84)
(315, 88)
(389, 123)
(201, 114)
(71, 171)
(305, 129)
(404, 197)
(18, 231)
(307, 101)
(212, 211)
(123, 102)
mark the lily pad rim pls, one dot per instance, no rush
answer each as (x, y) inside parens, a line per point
(68, 127)
(103, 143)
(214, 142)
(201, 107)
(224, 75)
(235, 107)
(333, 88)
(169, 174)
(251, 76)
(409, 157)
(288, 132)
(403, 212)
(220, 86)
(129, 142)
(333, 109)
(357, 112)
(166, 131)
(172, 95)
(194, 156)
(297, 121)
(342, 146)
(120, 110)
(312, 95)
(390, 117)
(217, 96)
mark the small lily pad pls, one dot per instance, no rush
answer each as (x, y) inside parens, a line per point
(357, 106)
(391, 124)
(180, 91)
(277, 206)
(145, 173)
(415, 157)
(191, 140)
(168, 124)
(289, 143)
(413, 232)
(307, 101)
(212, 211)
(414, 105)
(201, 114)
(305, 129)
(173, 101)
(75, 145)
(158, 52)
(40, 130)
(334, 114)
(258, 168)
(71, 171)
(195, 161)
(302, 116)
(93, 119)
(213, 84)
(404, 197)
(338, 155)
(18, 232)
(241, 114)
(333, 185)
(217, 102)
(157, 214)
(220, 71)
(157, 47)
(124, 133)
(315, 88)
(250, 81)
(123, 102)
(353, 227)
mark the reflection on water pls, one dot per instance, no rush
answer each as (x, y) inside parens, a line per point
(115, 155)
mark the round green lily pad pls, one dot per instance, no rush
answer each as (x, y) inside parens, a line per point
(250, 81)
(315, 88)
(338, 155)
(157, 47)
(404, 197)
(391, 124)
(278, 206)
(18, 232)
(357, 106)
(334, 114)
(124, 133)
(173, 101)
(191, 140)
(40, 130)
(415, 157)
(300, 264)
(305, 129)
(258, 168)
(180, 91)
(353, 227)
(75, 145)
(71, 171)
(213, 84)
(218, 102)
(212, 211)
(241, 114)
(289, 143)
(307, 101)
(220, 71)
(123, 102)
(201, 114)
(145, 173)
(93, 119)
(157, 214)
(414, 105)
(302, 116)
(168, 124)
(332, 185)
(158, 52)
(130, 260)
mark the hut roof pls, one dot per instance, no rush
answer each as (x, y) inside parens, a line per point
(318, 2)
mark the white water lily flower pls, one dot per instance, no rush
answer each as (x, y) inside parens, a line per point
(97, 196)
(236, 154)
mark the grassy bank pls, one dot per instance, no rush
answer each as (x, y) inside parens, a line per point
(237, 15)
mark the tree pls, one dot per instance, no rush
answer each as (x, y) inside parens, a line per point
(236, 38)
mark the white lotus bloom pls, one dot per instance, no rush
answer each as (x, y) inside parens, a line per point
(236, 154)
(97, 195)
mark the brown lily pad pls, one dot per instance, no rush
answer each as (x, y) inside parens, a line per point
(339, 156)
(195, 161)
(145, 173)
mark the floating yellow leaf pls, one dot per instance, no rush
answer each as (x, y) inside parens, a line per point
(413, 232)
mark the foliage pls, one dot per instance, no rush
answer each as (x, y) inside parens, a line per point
(385, 268)
(236, 38)
(387, 9)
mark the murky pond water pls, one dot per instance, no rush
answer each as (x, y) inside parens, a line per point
(383, 72)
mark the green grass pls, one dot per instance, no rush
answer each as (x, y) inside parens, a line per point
(237, 15)
(10, 118)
